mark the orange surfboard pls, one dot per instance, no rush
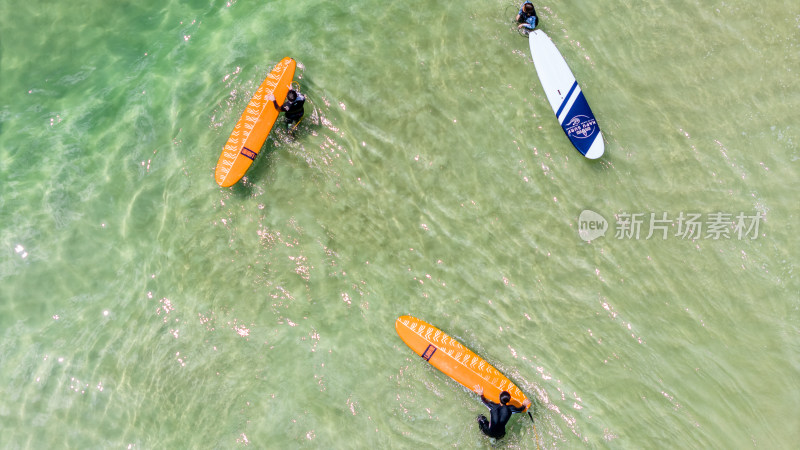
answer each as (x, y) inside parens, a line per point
(455, 360)
(253, 127)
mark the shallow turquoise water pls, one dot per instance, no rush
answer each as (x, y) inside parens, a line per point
(144, 306)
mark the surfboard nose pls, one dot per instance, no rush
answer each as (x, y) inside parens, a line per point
(597, 148)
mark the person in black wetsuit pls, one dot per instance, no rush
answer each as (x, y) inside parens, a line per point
(500, 414)
(527, 18)
(292, 108)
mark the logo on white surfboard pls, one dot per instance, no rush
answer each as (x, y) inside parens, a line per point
(581, 127)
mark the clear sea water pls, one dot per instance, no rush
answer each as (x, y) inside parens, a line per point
(142, 306)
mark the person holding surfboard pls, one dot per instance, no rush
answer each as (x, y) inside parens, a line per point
(500, 413)
(292, 108)
(527, 18)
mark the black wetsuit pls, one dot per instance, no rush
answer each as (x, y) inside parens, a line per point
(293, 110)
(500, 414)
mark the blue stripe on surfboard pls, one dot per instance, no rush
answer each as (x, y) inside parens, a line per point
(580, 125)
(566, 99)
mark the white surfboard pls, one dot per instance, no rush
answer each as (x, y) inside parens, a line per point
(565, 96)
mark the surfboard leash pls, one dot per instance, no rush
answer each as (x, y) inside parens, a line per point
(296, 124)
(535, 433)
